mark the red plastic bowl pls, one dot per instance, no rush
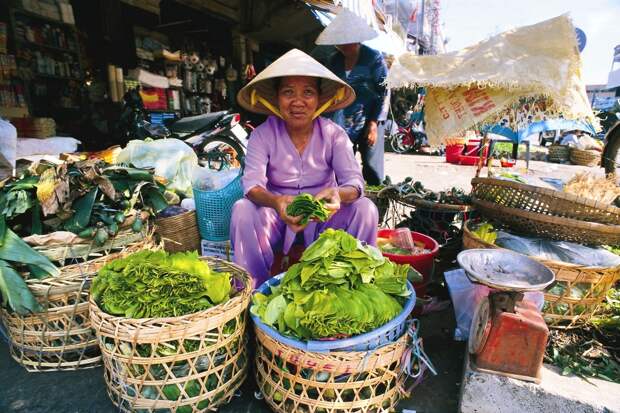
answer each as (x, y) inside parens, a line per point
(508, 164)
(423, 263)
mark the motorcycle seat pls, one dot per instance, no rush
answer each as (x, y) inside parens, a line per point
(194, 123)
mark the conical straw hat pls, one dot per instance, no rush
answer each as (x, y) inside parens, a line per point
(346, 28)
(260, 95)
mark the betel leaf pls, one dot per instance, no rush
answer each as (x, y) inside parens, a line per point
(83, 208)
(14, 291)
(275, 309)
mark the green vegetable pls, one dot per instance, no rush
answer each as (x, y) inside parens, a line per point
(156, 284)
(340, 287)
(486, 233)
(101, 236)
(137, 224)
(308, 208)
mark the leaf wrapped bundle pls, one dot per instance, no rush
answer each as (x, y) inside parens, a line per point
(308, 208)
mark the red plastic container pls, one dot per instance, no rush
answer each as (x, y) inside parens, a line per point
(423, 263)
(453, 152)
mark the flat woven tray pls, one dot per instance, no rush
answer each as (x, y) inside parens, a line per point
(543, 201)
(552, 227)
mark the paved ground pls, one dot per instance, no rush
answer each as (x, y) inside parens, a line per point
(84, 391)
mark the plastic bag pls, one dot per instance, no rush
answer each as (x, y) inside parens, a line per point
(563, 251)
(466, 297)
(8, 142)
(209, 180)
(172, 159)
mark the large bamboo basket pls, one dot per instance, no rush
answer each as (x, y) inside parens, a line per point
(60, 337)
(189, 363)
(543, 201)
(552, 227)
(559, 153)
(179, 233)
(293, 380)
(585, 157)
(564, 310)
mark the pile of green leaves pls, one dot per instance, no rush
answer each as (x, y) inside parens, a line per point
(305, 206)
(157, 284)
(89, 198)
(453, 196)
(339, 288)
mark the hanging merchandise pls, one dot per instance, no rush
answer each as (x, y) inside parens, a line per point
(211, 66)
(250, 72)
(231, 74)
(222, 62)
(208, 87)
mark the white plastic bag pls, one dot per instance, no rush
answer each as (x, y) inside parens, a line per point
(8, 142)
(172, 159)
(209, 180)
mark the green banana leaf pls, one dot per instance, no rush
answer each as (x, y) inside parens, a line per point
(3, 228)
(37, 226)
(16, 250)
(83, 209)
(14, 291)
(155, 199)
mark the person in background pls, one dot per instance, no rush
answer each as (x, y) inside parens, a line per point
(365, 70)
(296, 151)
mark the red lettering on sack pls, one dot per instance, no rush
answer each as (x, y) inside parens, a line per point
(485, 107)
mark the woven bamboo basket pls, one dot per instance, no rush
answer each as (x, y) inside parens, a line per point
(543, 201)
(189, 363)
(60, 337)
(552, 227)
(559, 153)
(179, 233)
(585, 157)
(294, 380)
(579, 290)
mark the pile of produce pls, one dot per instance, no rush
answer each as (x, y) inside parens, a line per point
(388, 246)
(601, 189)
(88, 198)
(453, 196)
(339, 288)
(305, 206)
(153, 284)
(485, 232)
(376, 188)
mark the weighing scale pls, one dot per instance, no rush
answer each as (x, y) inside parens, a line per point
(508, 335)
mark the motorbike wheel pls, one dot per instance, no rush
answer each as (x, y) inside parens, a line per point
(221, 152)
(611, 154)
(398, 143)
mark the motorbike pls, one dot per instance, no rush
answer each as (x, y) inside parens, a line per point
(408, 138)
(219, 138)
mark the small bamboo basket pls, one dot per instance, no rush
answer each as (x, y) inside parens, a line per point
(585, 157)
(179, 233)
(293, 380)
(559, 153)
(579, 290)
(60, 337)
(189, 363)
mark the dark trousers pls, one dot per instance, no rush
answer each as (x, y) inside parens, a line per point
(372, 156)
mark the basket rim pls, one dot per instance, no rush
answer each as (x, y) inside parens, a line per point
(181, 216)
(543, 191)
(324, 346)
(566, 265)
(240, 298)
(606, 229)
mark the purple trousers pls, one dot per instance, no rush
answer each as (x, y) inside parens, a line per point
(257, 232)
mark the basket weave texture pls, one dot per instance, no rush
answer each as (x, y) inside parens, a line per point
(585, 157)
(179, 233)
(293, 380)
(61, 337)
(189, 363)
(382, 203)
(559, 153)
(579, 290)
(543, 201)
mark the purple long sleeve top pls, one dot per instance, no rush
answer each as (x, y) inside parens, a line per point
(273, 162)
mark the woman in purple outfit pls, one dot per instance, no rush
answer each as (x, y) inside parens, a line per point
(292, 152)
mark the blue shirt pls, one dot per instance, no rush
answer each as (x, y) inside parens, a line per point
(368, 79)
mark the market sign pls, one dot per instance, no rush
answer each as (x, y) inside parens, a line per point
(581, 39)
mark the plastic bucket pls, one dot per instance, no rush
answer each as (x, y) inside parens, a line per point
(423, 263)
(453, 152)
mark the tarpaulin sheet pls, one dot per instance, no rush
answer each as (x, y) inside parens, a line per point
(467, 87)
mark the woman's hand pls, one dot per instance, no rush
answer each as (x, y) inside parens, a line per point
(331, 197)
(281, 203)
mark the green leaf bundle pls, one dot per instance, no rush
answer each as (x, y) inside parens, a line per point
(305, 206)
(156, 284)
(340, 287)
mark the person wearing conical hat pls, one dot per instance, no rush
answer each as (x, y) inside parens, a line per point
(365, 70)
(296, 151)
